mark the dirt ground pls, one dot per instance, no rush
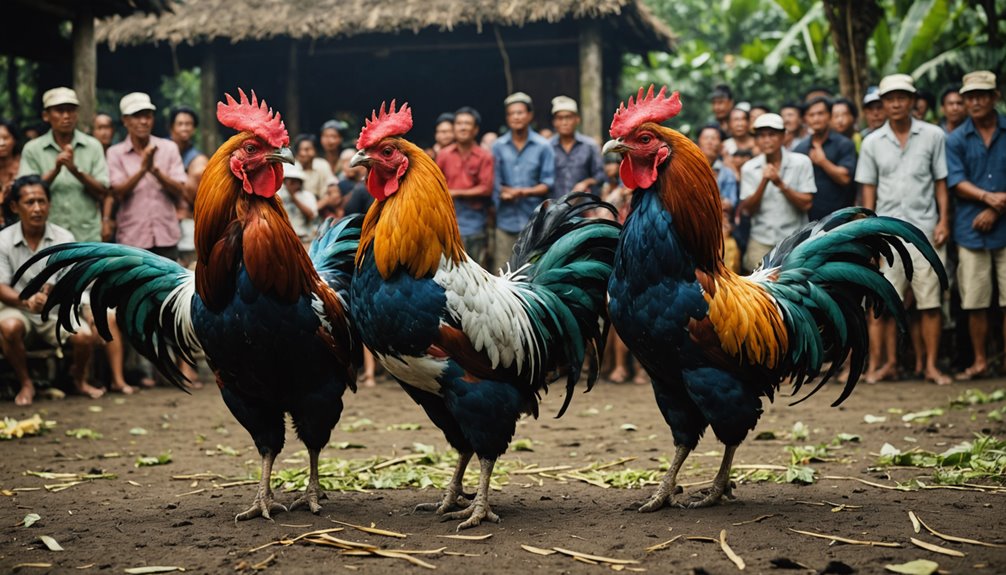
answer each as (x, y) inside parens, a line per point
(143, 517)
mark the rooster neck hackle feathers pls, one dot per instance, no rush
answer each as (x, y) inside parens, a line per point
(415, 227)
(253, 116)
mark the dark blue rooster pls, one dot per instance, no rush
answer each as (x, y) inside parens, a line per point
(715, 343)
(270, 318)
(472, 348)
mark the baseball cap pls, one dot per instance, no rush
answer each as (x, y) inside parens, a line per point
(773, 121)
(871, 96)
(979, 80)
(293, 172)
(58, 96)
(564, 104)
(896, 82)
(517, 97)
(135, 102)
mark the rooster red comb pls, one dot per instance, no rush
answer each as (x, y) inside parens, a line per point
(383, 124)
(253, 116)
(645, 109)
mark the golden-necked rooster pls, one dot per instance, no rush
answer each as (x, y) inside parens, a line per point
(270, 317)
(473, 349)
(714, 343)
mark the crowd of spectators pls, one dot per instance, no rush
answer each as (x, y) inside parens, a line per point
(776, 170)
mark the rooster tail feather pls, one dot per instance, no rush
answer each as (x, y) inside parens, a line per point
(561, 263)
(152, 297)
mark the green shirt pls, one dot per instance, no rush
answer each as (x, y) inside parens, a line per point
(72, 207)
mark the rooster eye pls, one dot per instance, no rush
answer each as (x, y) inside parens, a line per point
(387, 152)
(250, 149)
(645, 139)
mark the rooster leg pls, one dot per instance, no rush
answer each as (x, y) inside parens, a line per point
(455, 496)
(721, 483)
(669, 485)
(263, 505)
(314, 492)
(479, 509)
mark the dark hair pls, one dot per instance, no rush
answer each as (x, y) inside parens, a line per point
(928, 97)
(29, 180)
(715, 127)
(471, 112)
(722, 91)
(761, 106)
(182, 110)
(444, 117)
(337, 125)
(816, 88)
(953, 89)
(815, 101)
(790, 104)
(12, 128)
(848, 104)
(301, 138)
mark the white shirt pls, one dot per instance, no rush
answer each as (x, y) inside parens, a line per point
(303, 227)
(777, 218)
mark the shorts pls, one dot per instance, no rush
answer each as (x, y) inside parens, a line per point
(975, 271)
(925, 283)
(755, 253)
(39, 333)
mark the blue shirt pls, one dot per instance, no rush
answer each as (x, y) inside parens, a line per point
(533, 165)
(969, 160)
(830, 195)
(583, 161)
(727, 182)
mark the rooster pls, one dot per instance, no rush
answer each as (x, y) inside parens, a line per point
(271, 318)
(714, 343)
(473, 349)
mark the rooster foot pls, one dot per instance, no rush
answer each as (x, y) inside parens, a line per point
(263, 506)
(714, 494)
(475, 514)
(451, 501)
(662, 498)
(309, 500)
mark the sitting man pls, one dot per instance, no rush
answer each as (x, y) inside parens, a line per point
(20, 320)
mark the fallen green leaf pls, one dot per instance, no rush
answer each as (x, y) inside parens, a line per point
(917, 567)
(83, 433)
(30, 519)
(137, 431)
(51, 543)
(522, 445)
(148, 461)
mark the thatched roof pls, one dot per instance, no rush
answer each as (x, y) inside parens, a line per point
(203, 21)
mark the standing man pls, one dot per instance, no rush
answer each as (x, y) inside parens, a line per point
(792, 120)
(976, 162)
(524, 174)
(952, 108)
(777, 190)
(578, 163)
(469, 172)
(72, 165)
(103, 129)
(722, 101)
(21, 320)
(834, 159)
(873, 112)
(331, 139)
(148, 180)
(903, 170)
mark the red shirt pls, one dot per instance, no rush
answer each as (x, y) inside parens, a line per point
(475, 168)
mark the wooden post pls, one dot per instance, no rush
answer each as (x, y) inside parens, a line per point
(208, 97)
(85, 64)
(591, 79)
(291, 116)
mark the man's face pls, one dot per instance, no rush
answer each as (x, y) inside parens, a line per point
(898, 105)
(518, 116)
(791, 119)
(465, 129)
(875, 115)
(6, 142)
(32, 206)
(739, 123)
(306, 153)
(565, 123)
(444, 134)
(709, 144)
(62, 118)
(953, 108)
(293, 185)
(183, 128)
(817, 118)
(140, 124)
(980, 103)
(920, 109)
(841, 118)
(769, 141)
(611, 170)
(331, 140)
(103, 129)
(722, 107)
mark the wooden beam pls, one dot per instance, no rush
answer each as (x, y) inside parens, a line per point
(291, 116)
(210, 131)
(85, 64)
(591, 79)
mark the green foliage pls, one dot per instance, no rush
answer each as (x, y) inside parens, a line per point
(83, 433)
(981, 459)
(24, 112)
(152, 460)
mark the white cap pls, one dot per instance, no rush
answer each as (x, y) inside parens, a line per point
(58, 96)
(773, 121)
(564, 104)
(870, 98)
(135, 102)
(980, 80)
(516, 97)
(895, 83)
(293, 172)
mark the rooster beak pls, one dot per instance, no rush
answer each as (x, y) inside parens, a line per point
(281, 155)
(360, 159)
(615, 146)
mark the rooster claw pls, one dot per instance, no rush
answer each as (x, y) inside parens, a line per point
(309, 500)
(473, 515)
(660, 500)
(261, 507)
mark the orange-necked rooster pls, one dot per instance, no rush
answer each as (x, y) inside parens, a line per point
(714, 343)
(271, 318)
(473, 349)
